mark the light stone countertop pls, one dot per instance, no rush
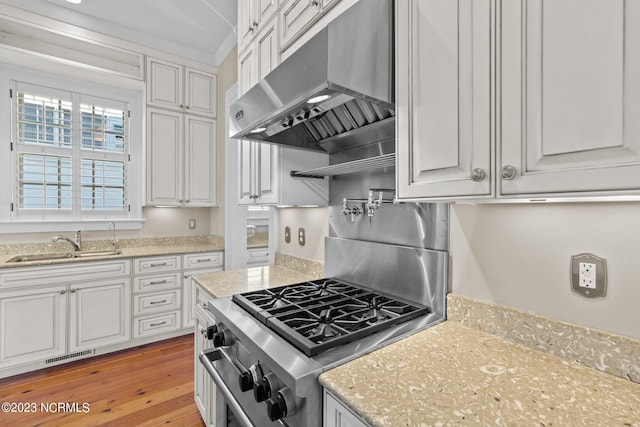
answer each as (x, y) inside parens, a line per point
(453, 375)
(128, 252)
(226, 283)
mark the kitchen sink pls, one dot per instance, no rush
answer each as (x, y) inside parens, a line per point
(63, 255)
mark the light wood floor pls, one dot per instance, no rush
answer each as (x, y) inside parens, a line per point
(151, 385)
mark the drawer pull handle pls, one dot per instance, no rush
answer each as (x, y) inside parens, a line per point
(158, 324)
(159, 282)
(158, 302)
(204, 260)
(161, 264)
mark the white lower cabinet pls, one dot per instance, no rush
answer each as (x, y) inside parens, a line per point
(157, 295)
(33, 325)
(194, 264)
(204, 387)
(99, 314)
(336, 414)
(56, 313)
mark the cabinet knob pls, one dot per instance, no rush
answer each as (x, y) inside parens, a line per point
(315, 3)
(251, 28)
(73, 291)
(63, 292)
(255, 25)
(508, 172)
(478, 175)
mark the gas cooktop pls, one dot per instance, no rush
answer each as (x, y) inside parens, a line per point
(321, 314)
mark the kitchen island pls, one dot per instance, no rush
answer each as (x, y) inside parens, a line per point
(453, 375)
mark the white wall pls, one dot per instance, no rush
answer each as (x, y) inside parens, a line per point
(159, 222)
(227, 76)
(315, 221)
(519, 256)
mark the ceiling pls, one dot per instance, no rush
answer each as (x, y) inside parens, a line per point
(202, 30)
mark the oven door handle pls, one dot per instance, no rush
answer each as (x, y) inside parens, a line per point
(207, 357)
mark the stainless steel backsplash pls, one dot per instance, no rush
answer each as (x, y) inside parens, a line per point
(420, 225)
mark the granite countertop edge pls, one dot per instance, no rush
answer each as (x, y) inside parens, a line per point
(125, 253)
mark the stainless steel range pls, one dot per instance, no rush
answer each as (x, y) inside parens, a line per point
(271, 345)
(385, 262)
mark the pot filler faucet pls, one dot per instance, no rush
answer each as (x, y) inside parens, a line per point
(77, 242)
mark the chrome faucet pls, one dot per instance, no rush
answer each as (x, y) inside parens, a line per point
(77, 242)
(114, 241)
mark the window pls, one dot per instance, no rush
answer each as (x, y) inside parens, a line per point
(71, 155)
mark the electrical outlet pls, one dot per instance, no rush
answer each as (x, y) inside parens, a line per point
(192, 224)
(301, 236)
(589, 275)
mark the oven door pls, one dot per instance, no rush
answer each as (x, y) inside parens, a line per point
(233, 408)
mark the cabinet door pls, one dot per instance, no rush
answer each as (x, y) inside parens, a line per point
(99, 314)
(264, 10)
(338, 415)
(266, 173)
(164, 84)
(247, 71)
(246, 29)
(190, 296)
(443, 81)
(204, 388)
(570, 98)
(164, 157)
(266, 50)
(295, 17)
(32, 325)
(201, 171)
(245, 172)
(200, 92)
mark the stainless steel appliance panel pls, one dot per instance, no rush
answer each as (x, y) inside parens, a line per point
(413, 274)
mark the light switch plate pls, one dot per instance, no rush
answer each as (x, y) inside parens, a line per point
(589, 275)
(287, 234)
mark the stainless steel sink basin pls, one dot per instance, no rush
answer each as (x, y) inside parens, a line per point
(64, 255)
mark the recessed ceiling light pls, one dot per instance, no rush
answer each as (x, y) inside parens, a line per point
(258, 130)
(318, 98)
(75, 1)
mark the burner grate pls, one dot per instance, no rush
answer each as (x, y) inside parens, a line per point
(318, 315)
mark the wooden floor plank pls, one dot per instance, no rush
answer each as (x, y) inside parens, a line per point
(149, 385)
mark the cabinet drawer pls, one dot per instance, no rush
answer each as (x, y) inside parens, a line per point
(201, 296)
(258, 253)
(63, 274)
(203, 260)
(158, 324)
(156, 264)
(157, 302)
(156, 283)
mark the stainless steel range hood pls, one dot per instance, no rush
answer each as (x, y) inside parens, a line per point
(332, 94)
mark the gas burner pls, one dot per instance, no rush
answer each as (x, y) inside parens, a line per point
(321, 314)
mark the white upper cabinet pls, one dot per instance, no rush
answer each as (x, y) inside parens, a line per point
(443, 89)
(252, 15)
(296, 15)
(181, 159)
(540, 103)
(570, 97)
(265, 179)
(260, 58)
(181, 88)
